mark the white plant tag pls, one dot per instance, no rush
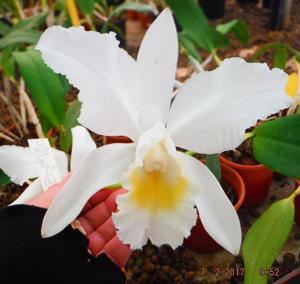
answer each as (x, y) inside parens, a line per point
(47, 167)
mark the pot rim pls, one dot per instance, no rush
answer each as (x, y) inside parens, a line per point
(242, 192)
(241, 166)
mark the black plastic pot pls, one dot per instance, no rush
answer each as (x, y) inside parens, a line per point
(280, 14)
(213, 9)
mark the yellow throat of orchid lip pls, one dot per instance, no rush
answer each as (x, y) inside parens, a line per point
(155, 192)
(292, 85)
(158, 186)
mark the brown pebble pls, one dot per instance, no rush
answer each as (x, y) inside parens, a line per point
(149, 252)
(136, 270)
(173, 272)
(154, 258)
(161, 276)
(149, 267)
(165, 268)
(190, 274)
(289, 257)
(144, 277)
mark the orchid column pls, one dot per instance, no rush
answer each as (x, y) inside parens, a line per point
(123, 96)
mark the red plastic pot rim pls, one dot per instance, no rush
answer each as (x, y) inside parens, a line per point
(241, 192)
(241, 166)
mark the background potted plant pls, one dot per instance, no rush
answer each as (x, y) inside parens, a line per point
(257, 177)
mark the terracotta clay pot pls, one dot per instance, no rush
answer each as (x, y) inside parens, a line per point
(199, 240)
(257, 179)
(116, 139)
(297, 205)
(132, 15)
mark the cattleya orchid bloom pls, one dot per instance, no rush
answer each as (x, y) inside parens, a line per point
(123, 96)
(20, 164)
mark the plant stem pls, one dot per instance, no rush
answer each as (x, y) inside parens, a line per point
(8, 132)
(30, 109)
(43, 4)
(89, 19)
(248, 135)
(7, 138)
(196, 64)
(207, 61)
(73, 12)
(19, 9)
(216, 57)
(296, 192)
(191, 153)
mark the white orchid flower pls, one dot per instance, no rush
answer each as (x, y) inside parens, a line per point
(123, 96)
(20, 164)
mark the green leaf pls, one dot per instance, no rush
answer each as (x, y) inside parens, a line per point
(139, 7)
(31, 22)
(238, 27)
(20, 36)
(281, 57)
(213, 163)
(46, 87)
(276, 144)
(189, 46)
(71, 121)
(265, 239)
(24, 32)
(193, 21)
(8, 62)
(86, 6)
(261, 51)
(4, 179)
(4, 28)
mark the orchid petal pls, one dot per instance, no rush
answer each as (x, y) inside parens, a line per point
(82, 145)
(217, 214)
(102, 167)
(105, 74)
(213, 109)
(157, 59)
(32, 191)
(18, 163)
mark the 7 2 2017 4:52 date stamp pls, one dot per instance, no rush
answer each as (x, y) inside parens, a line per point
(272, 271)
(227, 272)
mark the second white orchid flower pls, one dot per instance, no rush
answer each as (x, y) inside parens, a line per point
(123, 96)
(20, 164)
